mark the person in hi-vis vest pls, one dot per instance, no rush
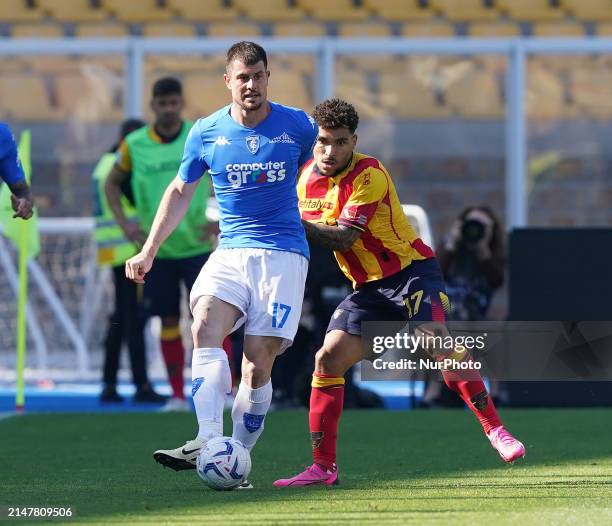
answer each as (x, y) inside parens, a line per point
(126, 323)
(147, 161)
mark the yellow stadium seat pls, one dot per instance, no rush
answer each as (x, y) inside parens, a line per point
(198, 11)
(493, 29)
(186, 64)
(301, 64)
(476, 95)
(589, 10)
(52, 64)
(562, 63)
(465, 10)
(591, 91)
(334, 10)
(237, 29)
(604, 29)
(371, 63)
(204, 94)
(26, 98)
(365, 29)
(289, 87)
(298, 29)
(545, 94)
(558, 29)
(38, 30)
(351, 86)
(168, 29)
(72, 10)
(18, 11)
(269, 10)
(394, 11)
(105, 30)
(426, 30)
(406, 93)
(530, 10)
(87, 98)
(13, 65)
(137, 10)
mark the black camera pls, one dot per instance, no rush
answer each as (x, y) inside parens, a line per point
(472, 231)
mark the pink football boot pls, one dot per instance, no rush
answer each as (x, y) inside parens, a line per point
(314, 475)
(508, 447)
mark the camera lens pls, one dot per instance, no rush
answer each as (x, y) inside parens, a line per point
(472, 231)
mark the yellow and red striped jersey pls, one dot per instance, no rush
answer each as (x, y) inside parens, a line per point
(362, 196)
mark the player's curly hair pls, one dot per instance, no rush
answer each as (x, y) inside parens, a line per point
(248, 53)
(336, 113)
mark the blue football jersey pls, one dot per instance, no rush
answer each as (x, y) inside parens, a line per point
(254, 174)
(10, 167)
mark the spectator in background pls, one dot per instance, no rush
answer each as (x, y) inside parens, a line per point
(472, 262)
(127, 322)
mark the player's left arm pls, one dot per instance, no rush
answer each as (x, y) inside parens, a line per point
(339, 238)
(369, 189)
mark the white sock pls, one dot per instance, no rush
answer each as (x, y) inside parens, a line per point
(249, 411)
(211, 382)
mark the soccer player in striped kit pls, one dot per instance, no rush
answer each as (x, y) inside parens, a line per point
(349, 204)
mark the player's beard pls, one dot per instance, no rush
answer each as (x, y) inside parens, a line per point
(252, 106)
(342, 167)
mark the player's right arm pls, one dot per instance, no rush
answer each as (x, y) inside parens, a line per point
(118, 177)
(173, 206)
(171, 210)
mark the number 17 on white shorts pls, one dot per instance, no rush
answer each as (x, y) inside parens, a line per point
(267, 286)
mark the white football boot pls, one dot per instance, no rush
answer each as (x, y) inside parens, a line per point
(181, 458)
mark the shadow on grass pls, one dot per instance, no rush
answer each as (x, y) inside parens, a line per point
(102, 464)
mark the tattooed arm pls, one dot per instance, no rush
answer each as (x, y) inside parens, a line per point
(339, 238)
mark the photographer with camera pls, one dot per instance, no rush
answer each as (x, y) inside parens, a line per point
(472, 262)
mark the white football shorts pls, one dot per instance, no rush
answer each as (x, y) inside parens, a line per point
(267, 286)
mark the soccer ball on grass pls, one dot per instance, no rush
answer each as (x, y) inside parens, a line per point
(223, 463)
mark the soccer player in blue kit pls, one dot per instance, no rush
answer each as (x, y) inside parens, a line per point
(12, 174)
(252, 150)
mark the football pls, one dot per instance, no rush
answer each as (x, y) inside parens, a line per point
(223, 463)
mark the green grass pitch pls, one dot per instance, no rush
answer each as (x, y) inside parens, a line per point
(415, 467)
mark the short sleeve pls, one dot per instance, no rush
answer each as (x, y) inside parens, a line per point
(369, 189)
(10, 165)
(193, 166)
(124, 160)
(309, 136)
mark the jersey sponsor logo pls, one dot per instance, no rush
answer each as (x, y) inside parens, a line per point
(222, 141)
(239, 174)
(283, 138)
(315, 204)
(252, 142)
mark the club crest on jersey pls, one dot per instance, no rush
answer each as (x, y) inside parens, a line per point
(252, 142)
